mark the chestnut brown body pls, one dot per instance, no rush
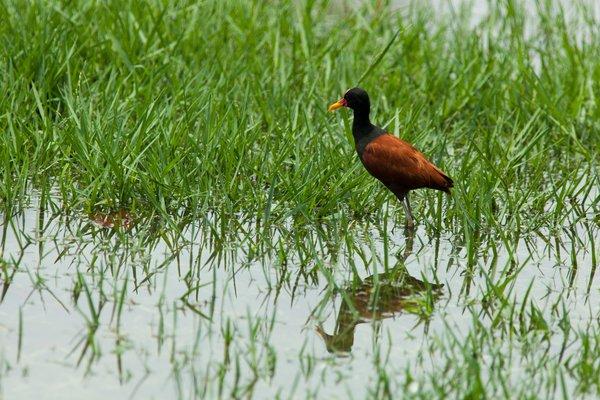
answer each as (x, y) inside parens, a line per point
(401, 167)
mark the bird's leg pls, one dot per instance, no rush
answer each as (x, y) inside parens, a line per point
(409, 234)
(410, 222)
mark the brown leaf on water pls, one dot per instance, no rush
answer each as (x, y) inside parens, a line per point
(113, 220)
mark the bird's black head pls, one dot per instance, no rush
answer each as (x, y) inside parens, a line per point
(357, 99)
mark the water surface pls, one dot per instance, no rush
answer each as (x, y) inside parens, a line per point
(203, 315)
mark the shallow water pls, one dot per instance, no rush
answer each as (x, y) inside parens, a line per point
(290, 332)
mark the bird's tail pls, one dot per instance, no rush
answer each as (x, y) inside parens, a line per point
(443, 182)
(449, 183)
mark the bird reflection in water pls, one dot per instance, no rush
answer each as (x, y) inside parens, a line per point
(378, 297)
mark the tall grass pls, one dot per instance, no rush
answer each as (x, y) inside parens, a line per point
(189, 107)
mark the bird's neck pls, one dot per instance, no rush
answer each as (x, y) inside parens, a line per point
(361, 125)
(364, 132)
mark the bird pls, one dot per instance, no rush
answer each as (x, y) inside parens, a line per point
(394, 162)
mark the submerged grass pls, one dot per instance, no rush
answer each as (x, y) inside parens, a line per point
(200, 129)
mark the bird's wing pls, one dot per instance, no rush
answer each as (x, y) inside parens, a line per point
(396, 163)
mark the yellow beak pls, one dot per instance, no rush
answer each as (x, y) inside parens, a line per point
(338, 104)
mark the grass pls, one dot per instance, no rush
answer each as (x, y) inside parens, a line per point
(205, 124)
(145, 108)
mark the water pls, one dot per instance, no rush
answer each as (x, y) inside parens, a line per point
(204, 317)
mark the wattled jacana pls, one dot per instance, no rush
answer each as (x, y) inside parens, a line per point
(397, 164)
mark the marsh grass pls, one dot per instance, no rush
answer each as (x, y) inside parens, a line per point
(151, 108)
(206, 124)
